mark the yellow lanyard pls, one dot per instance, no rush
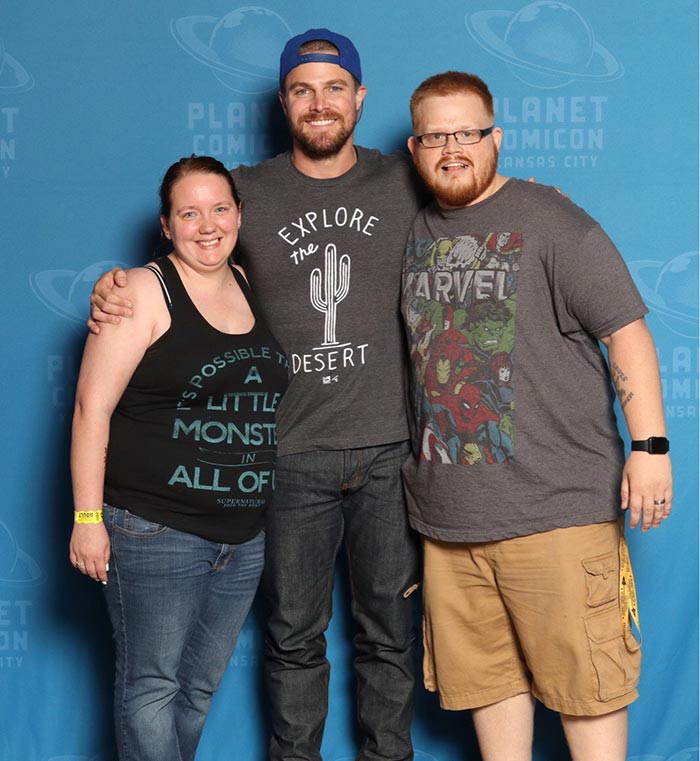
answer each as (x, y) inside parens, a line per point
(628, 596)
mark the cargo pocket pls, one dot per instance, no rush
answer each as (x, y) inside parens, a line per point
(617, 668)
(601, 579)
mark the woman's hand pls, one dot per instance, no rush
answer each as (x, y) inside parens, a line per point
(89, 550)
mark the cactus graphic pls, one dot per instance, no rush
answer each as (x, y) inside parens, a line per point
(336, 285)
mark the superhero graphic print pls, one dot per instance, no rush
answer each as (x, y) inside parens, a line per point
(459, 303)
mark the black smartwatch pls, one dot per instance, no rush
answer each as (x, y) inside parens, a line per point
(652, 445)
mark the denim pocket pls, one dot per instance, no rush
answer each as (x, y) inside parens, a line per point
(124, 522)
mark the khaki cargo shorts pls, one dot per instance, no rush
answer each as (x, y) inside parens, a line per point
(538, 613)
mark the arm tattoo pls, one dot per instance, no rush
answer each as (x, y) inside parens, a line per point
(619, 379)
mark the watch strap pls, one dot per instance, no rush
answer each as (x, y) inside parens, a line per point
(652, 445)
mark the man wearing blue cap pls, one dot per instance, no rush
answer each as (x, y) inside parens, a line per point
(322, 245)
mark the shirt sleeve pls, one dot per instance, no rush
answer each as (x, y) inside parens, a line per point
(594, 290)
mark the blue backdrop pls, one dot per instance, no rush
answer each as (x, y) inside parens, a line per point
(98, 97)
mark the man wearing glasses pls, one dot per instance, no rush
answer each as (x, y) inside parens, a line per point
(518, 473)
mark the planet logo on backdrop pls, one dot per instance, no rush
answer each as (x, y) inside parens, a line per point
(545, 44)
(13, 76)
(67, 292)
(16, 567)
(242, 48)
(670, 290)
(687, 754)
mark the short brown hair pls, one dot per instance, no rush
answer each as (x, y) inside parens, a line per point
(192, 165)
(451, 83)
(318, 46)
(323, 46)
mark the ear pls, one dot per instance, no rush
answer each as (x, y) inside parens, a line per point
(360, 96)
(283, 102)
(164, 226)
(412, 144)
(497, 136)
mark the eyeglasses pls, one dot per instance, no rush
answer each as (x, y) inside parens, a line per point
(462, 136)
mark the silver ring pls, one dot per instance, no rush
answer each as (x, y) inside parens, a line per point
(81, 565)
(659, 502)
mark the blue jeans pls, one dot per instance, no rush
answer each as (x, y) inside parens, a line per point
(177, 603)
(323, 498)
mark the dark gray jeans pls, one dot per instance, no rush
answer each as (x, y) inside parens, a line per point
(323, 498)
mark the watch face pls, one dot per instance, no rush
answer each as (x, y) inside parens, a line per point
(658, 445)
(652, 445)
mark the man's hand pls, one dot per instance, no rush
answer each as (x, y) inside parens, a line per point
(533, 180)
(647, 489)
(105, 303)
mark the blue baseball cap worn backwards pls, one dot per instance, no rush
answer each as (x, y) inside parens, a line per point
(348, 58)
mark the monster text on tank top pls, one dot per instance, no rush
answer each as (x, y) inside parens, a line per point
(193, 439)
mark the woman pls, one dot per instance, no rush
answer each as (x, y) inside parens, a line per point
(174, 432)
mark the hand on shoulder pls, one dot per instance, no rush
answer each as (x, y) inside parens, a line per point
(150, 315)
(107, 304)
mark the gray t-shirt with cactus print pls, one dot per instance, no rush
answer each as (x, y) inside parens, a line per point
(324, 259)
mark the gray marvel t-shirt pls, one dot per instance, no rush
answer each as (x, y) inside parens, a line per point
(504, 302)
(324, 259)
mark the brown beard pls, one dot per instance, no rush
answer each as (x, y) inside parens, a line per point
(323, 146)
(458, 194)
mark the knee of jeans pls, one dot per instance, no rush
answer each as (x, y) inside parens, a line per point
(149, 696)
(296, 645)
(198, 693)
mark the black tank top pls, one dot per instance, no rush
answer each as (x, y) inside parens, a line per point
(193, 440)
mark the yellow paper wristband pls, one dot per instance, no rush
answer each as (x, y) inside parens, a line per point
(88, 516)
